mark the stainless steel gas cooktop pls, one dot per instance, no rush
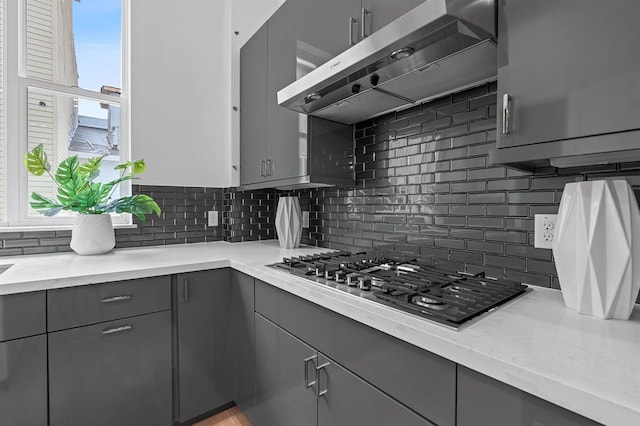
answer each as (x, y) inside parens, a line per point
(447, 297)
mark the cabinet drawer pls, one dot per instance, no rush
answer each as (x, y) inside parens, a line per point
(399, 369)
(22, 315)
(91, 304)
(114, 373)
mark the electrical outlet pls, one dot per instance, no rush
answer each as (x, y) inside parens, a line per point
(544, 230)
(212, 218)
(305, 219)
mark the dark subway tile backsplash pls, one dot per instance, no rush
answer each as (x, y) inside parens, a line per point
(433, 193)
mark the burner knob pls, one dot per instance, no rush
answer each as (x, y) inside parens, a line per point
(320, 270)
(340, 276)
(352, 280)
(330, 273)
(364, 283)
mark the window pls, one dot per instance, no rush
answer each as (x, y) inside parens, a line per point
(68, 93)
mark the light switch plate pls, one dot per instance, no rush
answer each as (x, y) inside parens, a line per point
(212, 218)
(544, 230)
(305, 219)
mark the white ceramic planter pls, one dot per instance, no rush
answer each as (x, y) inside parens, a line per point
(597, 248)
(92, 234)
(289, 222)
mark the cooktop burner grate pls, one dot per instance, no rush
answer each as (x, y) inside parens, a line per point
(447, 297)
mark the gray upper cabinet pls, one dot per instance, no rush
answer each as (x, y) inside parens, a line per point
(204, 364)
(253, 110)
(279, 147)
(483, 401)
(286, 130)
(376, 14)
(325, 29)
(567, 71)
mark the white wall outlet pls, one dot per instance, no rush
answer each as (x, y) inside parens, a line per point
(544, 230)
(305, 219)
(212, 218)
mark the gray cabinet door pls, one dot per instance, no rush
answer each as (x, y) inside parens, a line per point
(113, 373)
(22, 315)
(483, 401)
(282, 395)
(23, 382)
(204, 365)
(347, 400)
(287, 130)
(253, 108)
(382, 12)
(241, 336)
(571, 68)
(323, 31)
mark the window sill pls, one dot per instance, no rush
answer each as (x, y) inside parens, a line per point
(56, 228)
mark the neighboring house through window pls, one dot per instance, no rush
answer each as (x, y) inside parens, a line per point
(65, 81)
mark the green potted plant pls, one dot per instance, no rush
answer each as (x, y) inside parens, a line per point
(77, 191)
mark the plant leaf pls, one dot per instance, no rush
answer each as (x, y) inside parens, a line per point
(40, 202)
(123, 165)
(139, 166)
(90, 169)
(36, 161)
(67, 170)
(139, 205)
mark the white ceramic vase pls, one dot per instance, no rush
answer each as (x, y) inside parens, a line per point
(597, 248)
(289, 222)
(92, 234)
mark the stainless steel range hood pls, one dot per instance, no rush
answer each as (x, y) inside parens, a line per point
(439, 47)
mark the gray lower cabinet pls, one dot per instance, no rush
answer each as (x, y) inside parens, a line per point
(285, 395)
(483, 401)
(23, 381)
(242, 340)
(347, 400)
(22, 315)
(112, 373)
(367, 352)
(204, 363)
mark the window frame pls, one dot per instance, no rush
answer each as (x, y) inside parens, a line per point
(17, 84)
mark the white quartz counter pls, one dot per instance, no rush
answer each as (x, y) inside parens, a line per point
(534, 343)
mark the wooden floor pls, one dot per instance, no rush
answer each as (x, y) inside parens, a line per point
(231, 417)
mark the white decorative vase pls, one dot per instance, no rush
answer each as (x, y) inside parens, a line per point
(289, 222)
(597, 248)
(92, 234)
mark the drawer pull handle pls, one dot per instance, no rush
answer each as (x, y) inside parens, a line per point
(185, 284)
(118, 329)
(321, 392)
(116, 298)
(306, 370)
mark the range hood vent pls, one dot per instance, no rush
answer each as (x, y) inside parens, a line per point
(437, 48)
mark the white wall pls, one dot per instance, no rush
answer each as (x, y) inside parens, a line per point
(180, 91)
(247, 16)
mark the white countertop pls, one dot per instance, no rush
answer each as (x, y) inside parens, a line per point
(534, 343)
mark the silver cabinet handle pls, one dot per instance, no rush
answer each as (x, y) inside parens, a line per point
(185, 287)
(311, 359)
(506, 114)
(321, 392)
(118, 329)
(121, 298)
(269, 167)
(363, 29)
(263, 172)
(352, 21)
